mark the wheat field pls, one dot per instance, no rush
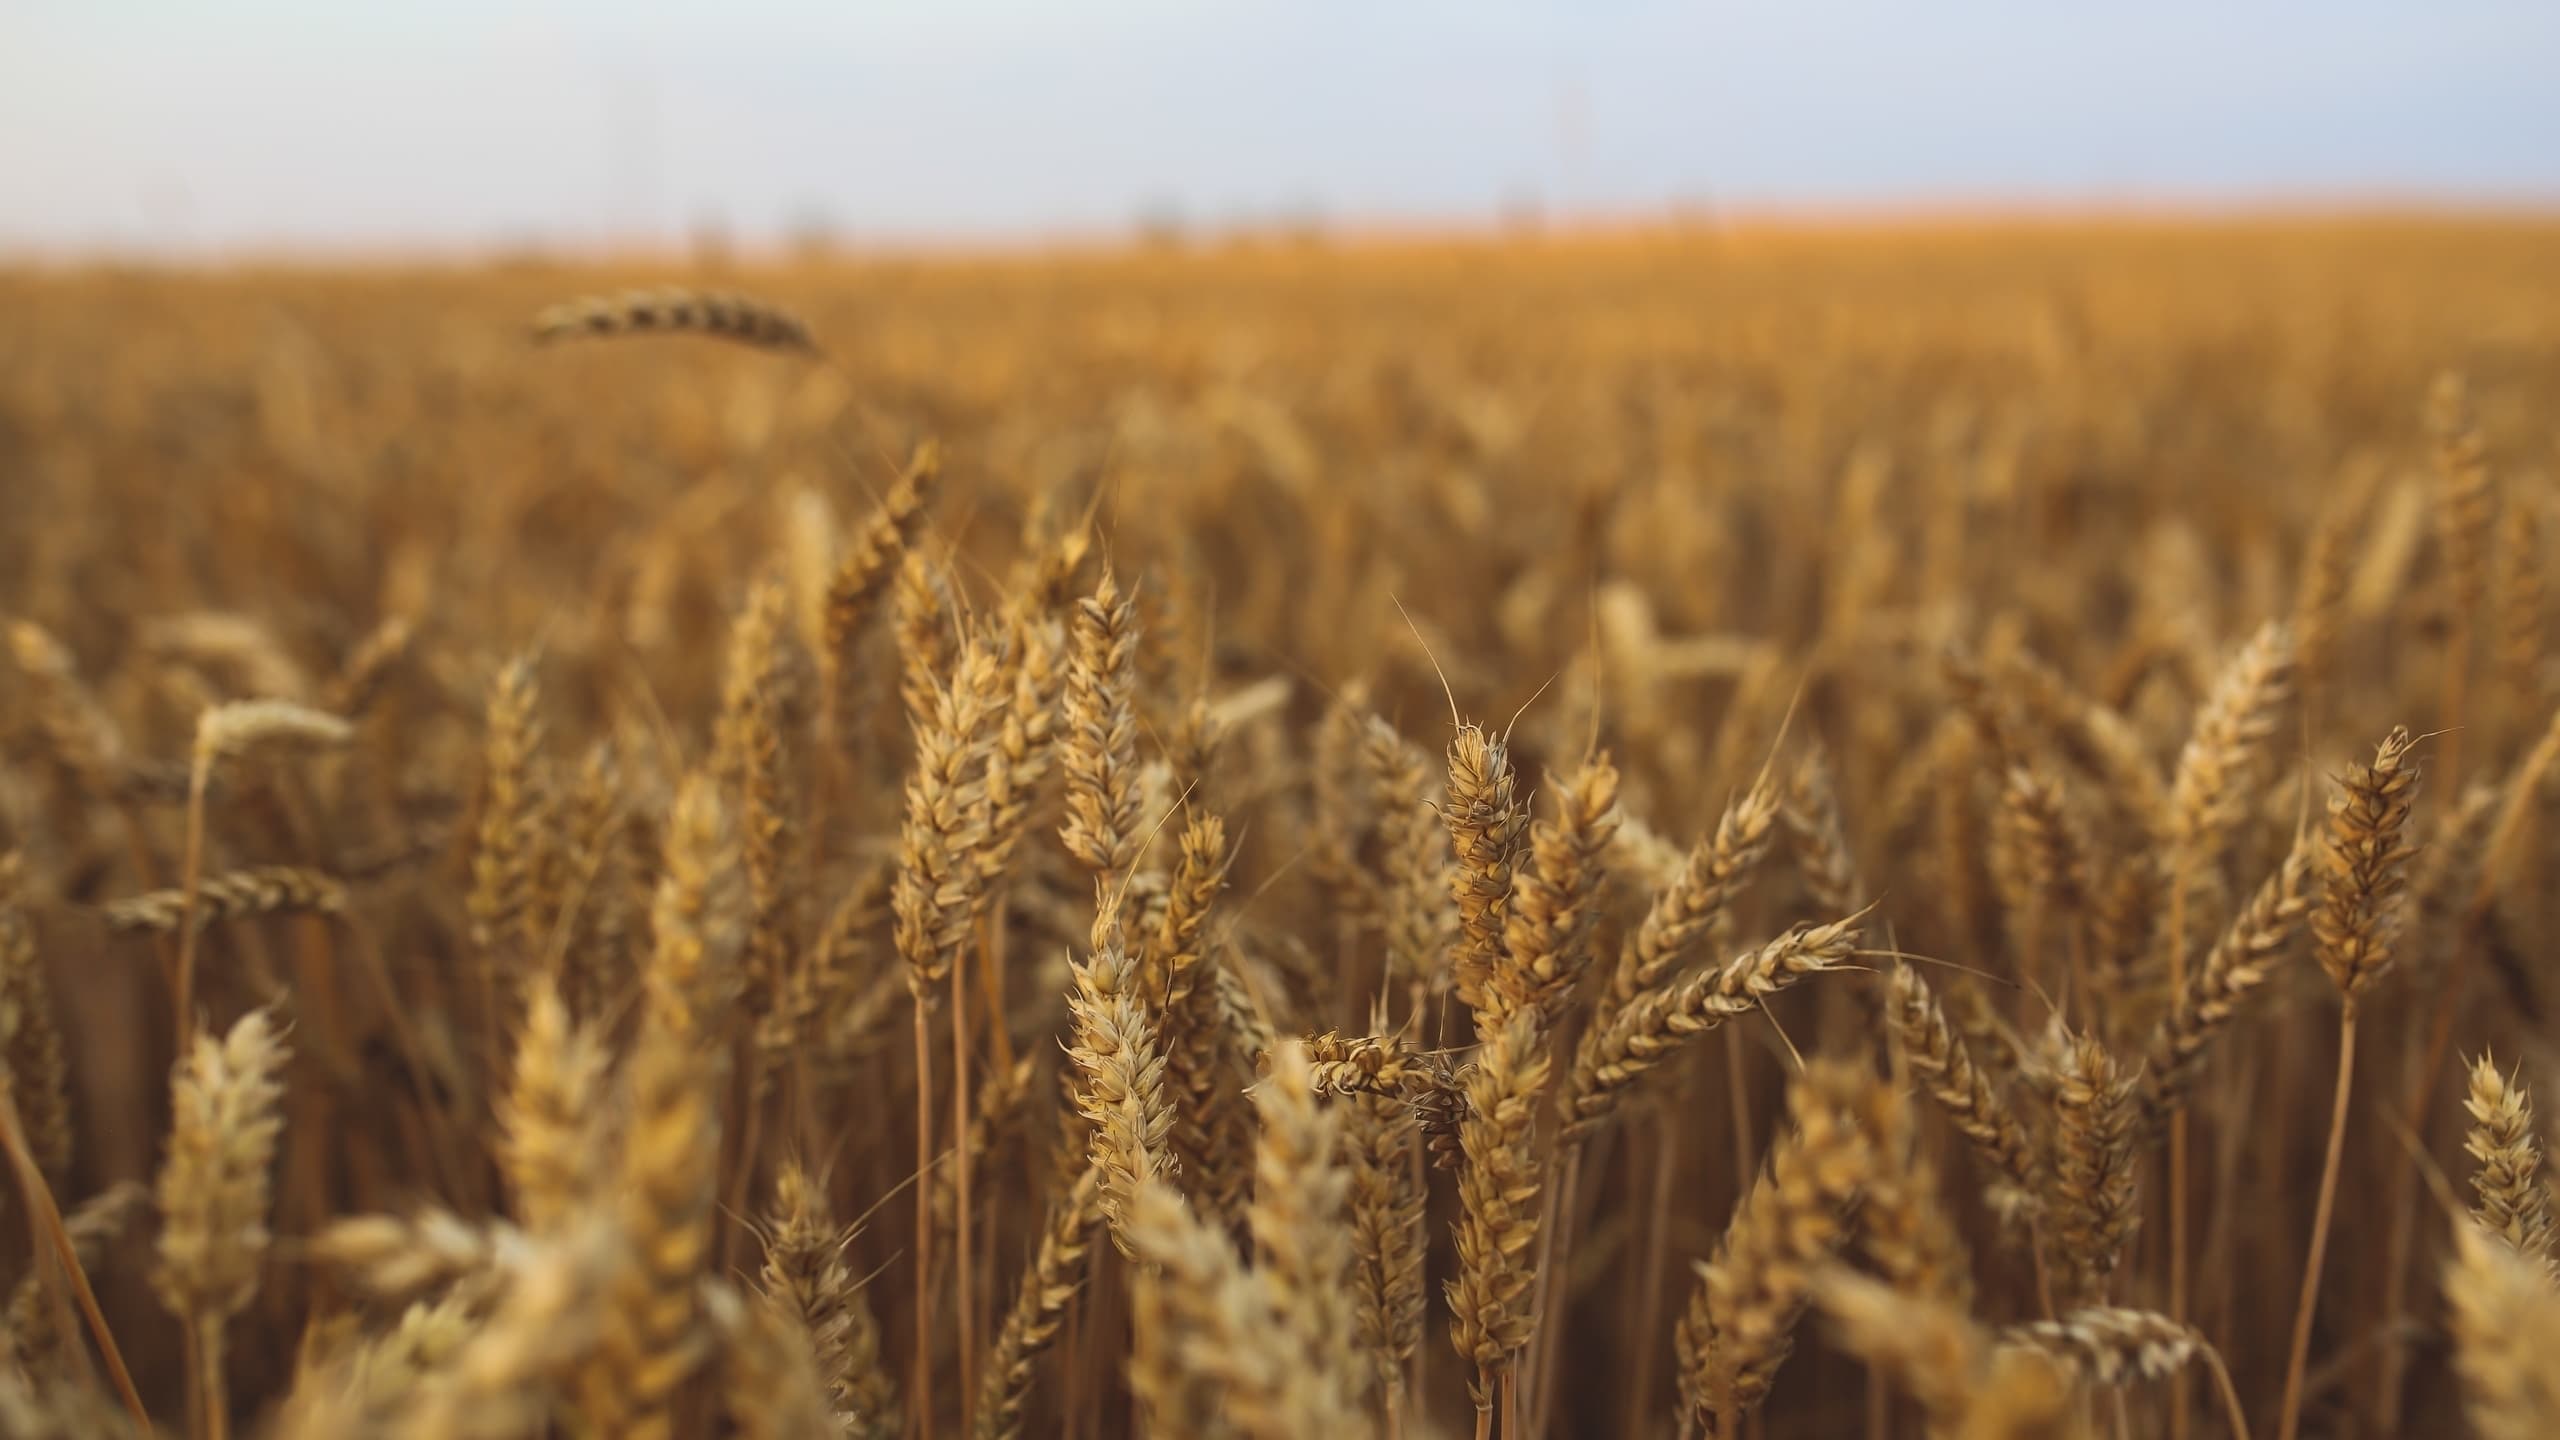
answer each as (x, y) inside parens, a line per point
(1938, 830)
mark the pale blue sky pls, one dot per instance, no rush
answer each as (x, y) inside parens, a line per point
(203, 126)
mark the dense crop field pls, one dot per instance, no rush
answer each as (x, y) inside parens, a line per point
(1917, 832)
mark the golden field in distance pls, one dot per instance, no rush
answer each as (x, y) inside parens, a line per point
(1909, 831)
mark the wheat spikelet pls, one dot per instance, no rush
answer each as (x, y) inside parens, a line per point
(33, 1070)
(506, 920)
(396, 1257)
(846, 964)
(1554, 899)
(759, 691)
(1903, 1227)
(2466, 503)
(653, 1335)
(1121, 1087)
(1617, 1051)
(769, 1378)
(670, 311)
(1303, 1251)
(551, 1138)
(1201, 1361)
(231, 895)
(863, 578)
(698, 918)
(1945, 1068)
(2110, 1345)
(82, 736)
(35, 1344)
(2521, 602)
(1928, 1345)
(215, 1186)
(2097, 738)
(2207, 794)
(1099, 746)
(369, 667)
(927, 617)
(2511, 1195)
(2368, 858)
(1368, 1065)
(1736, 1330)
(352, 1385)
(242, 726)
(522, 1361)
(35, 1409)
(1208, 1063)
(1686, 913)
(2039, 847)
(1200, 876)
(1018, 760)
(1416, 903)
(1056, 1272)
(1811, 811)
(2093, 1175)
(1351, 799)
(2239, 963)
(993, 1109)
(2320, 592)
(806, 1275)
(1380, 1140)
(1487, 825)
(1498, 1191)
(602, 878)
(2506, 1323)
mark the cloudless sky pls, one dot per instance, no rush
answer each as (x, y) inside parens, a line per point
(198, 126)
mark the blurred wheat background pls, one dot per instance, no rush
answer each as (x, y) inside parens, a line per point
(1612, 825)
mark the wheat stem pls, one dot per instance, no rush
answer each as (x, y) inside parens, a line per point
(2290, 1417)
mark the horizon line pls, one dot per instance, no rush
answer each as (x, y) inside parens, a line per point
(1846, 217)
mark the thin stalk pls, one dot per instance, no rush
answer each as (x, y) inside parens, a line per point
(194, 1348)
(2422, 1099)
(1555, 1256)
(750, 1099)
(2044, 1273)
(964, 1285)
(1416, 1378)
(2232, 1409)
(191, 887)
(2290, 1418)
(921, 1410)
(1737, 1080)
(44, 1218)
(217, 1397)
(2180, 1421)
(1657, 1234)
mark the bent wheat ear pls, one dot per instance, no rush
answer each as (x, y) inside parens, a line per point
(675, 312)
(235, 894)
